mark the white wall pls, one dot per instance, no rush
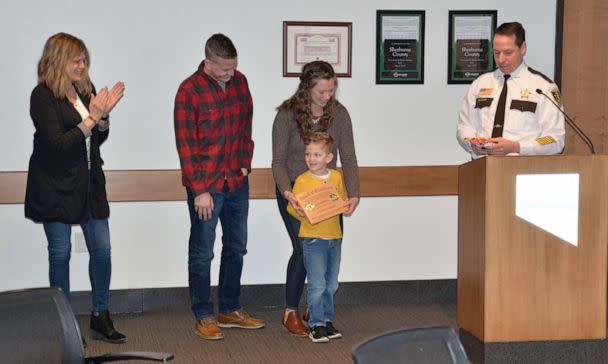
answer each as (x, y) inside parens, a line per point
(153, 45)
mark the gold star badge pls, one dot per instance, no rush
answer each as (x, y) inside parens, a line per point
(525, 94)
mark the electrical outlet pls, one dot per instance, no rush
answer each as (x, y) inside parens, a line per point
(79, 245)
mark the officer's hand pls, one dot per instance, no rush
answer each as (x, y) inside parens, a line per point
(502, 146)
(478, 149)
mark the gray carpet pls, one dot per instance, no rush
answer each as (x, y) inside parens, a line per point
(172, 331)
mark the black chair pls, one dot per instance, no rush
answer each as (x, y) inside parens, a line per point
(37, 325)
(432, 345)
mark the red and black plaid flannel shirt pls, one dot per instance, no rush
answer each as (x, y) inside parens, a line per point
(213, 131)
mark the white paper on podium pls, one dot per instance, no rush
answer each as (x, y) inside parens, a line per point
(549, 201)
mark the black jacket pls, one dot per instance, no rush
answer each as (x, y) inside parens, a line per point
(58, 178)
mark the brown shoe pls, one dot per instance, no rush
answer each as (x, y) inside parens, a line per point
(239, 319)
(294, 325)
(207, 329)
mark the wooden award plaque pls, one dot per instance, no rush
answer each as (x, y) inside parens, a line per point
(321, 203)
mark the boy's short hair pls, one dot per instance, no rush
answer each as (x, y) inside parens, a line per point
(321, 138)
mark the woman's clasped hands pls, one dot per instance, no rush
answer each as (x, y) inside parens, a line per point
(104, 102)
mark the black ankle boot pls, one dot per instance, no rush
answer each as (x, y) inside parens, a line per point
(102, 328)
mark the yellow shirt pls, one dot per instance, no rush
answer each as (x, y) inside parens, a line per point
(326, 229)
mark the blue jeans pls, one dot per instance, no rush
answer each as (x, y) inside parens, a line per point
(296, 273)
(322, 261)
(97, 237)
(231, 208)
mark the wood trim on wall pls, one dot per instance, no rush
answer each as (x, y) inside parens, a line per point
(165, 185)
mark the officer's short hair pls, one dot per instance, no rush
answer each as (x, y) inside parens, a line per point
(219, 45)
(513, 28)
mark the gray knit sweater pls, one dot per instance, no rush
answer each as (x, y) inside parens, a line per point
(288, 150)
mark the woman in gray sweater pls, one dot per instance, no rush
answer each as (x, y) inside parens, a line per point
(312, 107)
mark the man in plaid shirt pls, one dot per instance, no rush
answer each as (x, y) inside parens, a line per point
(212, 117)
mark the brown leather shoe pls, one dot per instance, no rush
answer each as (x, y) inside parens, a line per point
(239, 319)
(294, 325)
(207, 329)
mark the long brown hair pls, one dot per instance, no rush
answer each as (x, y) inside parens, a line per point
(58, 51)
(300, 101)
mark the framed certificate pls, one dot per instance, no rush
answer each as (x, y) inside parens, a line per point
(305, 42)
(470, 48)
(399, 46)
(321, 203)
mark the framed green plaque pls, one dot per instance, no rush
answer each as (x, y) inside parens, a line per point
(470, 49)
(399, 46)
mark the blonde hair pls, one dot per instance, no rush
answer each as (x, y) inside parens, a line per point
(60, 49)
(319, 137)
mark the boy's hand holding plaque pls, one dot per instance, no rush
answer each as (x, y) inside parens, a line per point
(321, 203)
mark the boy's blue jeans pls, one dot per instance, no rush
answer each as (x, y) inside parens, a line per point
(322, 261)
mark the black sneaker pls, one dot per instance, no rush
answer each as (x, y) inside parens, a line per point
(318, 334)
(332, 332)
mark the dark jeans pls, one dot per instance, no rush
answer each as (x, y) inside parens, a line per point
(97, 237)
(296, 273)
(231, 208)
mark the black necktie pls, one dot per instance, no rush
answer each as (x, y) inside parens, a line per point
(499, 118)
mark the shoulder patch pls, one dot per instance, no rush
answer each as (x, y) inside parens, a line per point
(556, 96)
(540, 74)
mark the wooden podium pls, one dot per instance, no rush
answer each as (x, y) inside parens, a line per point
(516, 281)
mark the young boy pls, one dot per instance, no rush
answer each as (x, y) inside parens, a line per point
(322, 241)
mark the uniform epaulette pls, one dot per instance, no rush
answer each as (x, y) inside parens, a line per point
(540, 74)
